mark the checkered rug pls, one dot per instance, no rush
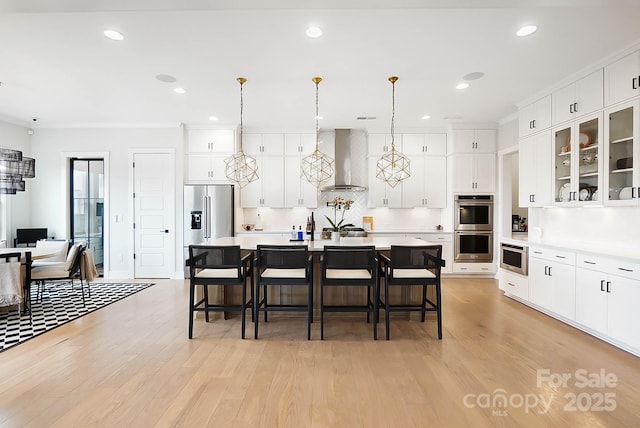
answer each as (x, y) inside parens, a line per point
(60, 304)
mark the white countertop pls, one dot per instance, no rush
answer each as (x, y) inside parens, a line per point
(595, 248)
(381, 243)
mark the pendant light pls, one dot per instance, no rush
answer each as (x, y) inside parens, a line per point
(13, 168)
(393, 166)
(241, 168)
(317, 167)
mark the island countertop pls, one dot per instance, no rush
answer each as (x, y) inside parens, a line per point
(380, 242)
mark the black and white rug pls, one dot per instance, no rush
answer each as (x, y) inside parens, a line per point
(60, 304)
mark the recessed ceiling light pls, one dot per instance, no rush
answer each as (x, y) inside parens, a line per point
(425, 117)
(166, 78)
(462, 85)
(180, 90)
(526, 30)
(113, 35)
(213, 118)
(314, 32)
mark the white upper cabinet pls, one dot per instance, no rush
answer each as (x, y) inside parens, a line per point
(579, 98)
(473, 141)
(379, 144)
(206, 151)
(535, 117)
(424, 144)
(380, 194)
(298, 192)
(622, 152)
(474, 173)
(534, 158)
(268, 190)
(622, 79)
(427, 186)
(210, 140)
(578, 161)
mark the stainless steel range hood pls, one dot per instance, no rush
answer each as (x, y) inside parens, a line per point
(348, 165)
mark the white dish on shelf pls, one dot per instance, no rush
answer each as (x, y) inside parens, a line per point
(563, 193)
(625, 193)
(594, 197)
(584, 194)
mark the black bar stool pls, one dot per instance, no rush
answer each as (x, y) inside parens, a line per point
(283, 265)
(218, 265)
(409, 266)
(355, 266)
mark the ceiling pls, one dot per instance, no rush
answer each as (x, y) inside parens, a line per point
(57, 66)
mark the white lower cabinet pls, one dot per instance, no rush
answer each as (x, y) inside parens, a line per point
(607, 302)
(488, 268)
(514, 284)
(553, 282)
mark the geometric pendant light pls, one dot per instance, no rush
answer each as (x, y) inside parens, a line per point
(240, 167)
(316, 168)
(393, 166)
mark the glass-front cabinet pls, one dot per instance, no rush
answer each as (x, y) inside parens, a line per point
(578, 162)
(623, 151)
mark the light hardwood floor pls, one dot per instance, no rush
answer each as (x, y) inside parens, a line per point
(131, 364)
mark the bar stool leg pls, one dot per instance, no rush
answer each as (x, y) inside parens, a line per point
(256, 308)
(205, 294)
(321, 311)
(439, 309)
(191, 297)
(424, 302)
(386, 306)
(243, 308)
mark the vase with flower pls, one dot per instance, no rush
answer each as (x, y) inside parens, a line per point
(343, 205)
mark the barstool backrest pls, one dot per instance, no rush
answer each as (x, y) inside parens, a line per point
(282, 256)
(421, 257)
(213, 257)
(356, 257)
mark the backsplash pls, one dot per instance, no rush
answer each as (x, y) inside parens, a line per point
(384, 219)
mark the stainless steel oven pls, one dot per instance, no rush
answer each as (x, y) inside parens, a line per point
(514, 258)
(473, 246)
(474, 212)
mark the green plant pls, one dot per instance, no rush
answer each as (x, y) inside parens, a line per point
(339, 204)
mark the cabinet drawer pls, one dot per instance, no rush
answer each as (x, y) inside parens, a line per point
(553, 255)
(609, 265)
(514, 284)
(433, 237)
(487, 268)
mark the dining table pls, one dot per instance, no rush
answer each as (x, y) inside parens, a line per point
(34, 254)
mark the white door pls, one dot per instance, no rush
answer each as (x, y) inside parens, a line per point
(154, 214)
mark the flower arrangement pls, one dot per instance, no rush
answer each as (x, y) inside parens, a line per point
(339, 204)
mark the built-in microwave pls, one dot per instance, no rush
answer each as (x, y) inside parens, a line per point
(514, 258)
(474, 212)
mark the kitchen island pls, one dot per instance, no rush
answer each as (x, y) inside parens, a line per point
(336, 295)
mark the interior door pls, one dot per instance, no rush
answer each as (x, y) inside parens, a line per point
(154, 202)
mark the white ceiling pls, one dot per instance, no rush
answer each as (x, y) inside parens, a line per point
(56, 65)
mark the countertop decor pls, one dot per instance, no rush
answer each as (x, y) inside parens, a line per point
(339, 204)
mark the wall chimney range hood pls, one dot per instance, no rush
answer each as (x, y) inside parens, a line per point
(347, 163)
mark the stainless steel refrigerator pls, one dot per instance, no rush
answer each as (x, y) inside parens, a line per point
(208, 213)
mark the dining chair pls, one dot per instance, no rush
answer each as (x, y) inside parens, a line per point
(409, 266)
(222, 266)
(10, 282)
(283, 265)
(66, 271)
(353, 266)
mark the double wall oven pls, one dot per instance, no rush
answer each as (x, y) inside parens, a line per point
(473, 228)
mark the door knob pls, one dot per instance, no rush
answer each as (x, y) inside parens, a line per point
(165, 231)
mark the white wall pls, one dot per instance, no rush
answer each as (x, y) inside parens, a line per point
(53, 147)
(19, 205)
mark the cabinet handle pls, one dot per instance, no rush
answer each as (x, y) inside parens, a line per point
(575, 107)
(589, 263)
(602, 285)
(570, 108)
(533, 124)
(625, 270)
(561, 257)
(549, 270)
(634, 81)
(546, 270)
(537, 252)
(513, 285)
(608, 284)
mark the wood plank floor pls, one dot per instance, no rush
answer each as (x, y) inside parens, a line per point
(131, 364)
